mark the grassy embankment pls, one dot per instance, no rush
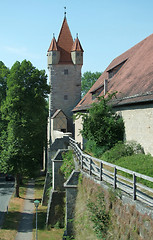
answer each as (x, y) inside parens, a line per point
(131, 156)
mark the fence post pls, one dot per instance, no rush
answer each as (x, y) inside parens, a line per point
(90, 167)
(101, 169)
(115, 177)
(81, 162)
(134, 186)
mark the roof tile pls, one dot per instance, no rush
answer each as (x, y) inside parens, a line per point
(134, 78)
(53, 45)
(65, 43)
(77, 46)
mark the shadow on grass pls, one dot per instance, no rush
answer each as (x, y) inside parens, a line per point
(13, 219)
(41, 220)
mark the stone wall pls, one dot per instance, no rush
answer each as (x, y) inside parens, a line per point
(128, 219)
(65, 89)
(71, 194)
(55, 211)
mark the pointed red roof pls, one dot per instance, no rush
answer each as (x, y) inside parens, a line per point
(53, 45)
(77, 46)
(65, 43)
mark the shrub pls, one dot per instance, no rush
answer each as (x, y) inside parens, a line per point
(99, 216)
(121, 150)
(102, 124)
(92, 147)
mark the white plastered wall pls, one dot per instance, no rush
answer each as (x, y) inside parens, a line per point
(138, 121)
(78, 127)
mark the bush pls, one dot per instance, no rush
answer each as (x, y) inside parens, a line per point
(121, 150)
(97, 151)
(102, 124)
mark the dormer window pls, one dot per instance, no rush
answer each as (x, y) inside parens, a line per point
(95, 93)
(114, 70)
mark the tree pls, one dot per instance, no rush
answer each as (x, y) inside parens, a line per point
(102, 125)
(24, 109)
(4, 72)
(87, 80)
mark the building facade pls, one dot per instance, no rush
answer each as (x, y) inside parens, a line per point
(131, 76)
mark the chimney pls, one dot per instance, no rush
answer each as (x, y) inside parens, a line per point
(105, 86)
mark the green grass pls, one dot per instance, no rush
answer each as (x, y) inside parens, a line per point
(131, 156)
(138, 163)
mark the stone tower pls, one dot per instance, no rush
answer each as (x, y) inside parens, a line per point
(65, 60)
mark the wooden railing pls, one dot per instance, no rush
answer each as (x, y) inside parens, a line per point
(115, 175)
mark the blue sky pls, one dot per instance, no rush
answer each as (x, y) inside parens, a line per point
(106, 28)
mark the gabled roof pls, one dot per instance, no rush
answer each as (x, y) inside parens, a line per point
(57, 112)
(53, 45)
(65, 43)
(134, 79)
(77, 46)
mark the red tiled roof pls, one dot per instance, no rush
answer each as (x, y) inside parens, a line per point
(77, 46)
(65, 43)
(133, 81)
(53, 45)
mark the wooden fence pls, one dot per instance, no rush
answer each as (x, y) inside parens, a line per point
(121, 178)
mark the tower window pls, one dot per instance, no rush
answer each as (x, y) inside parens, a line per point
(65, 97)
(65, 71)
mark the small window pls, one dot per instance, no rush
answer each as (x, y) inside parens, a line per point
(66, 71)
(54, 53)
(65, 97)
(97, 91)
(77, 54)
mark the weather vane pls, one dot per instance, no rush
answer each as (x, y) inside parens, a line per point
(65, 12)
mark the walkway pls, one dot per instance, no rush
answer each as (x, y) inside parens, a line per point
(26, 224)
